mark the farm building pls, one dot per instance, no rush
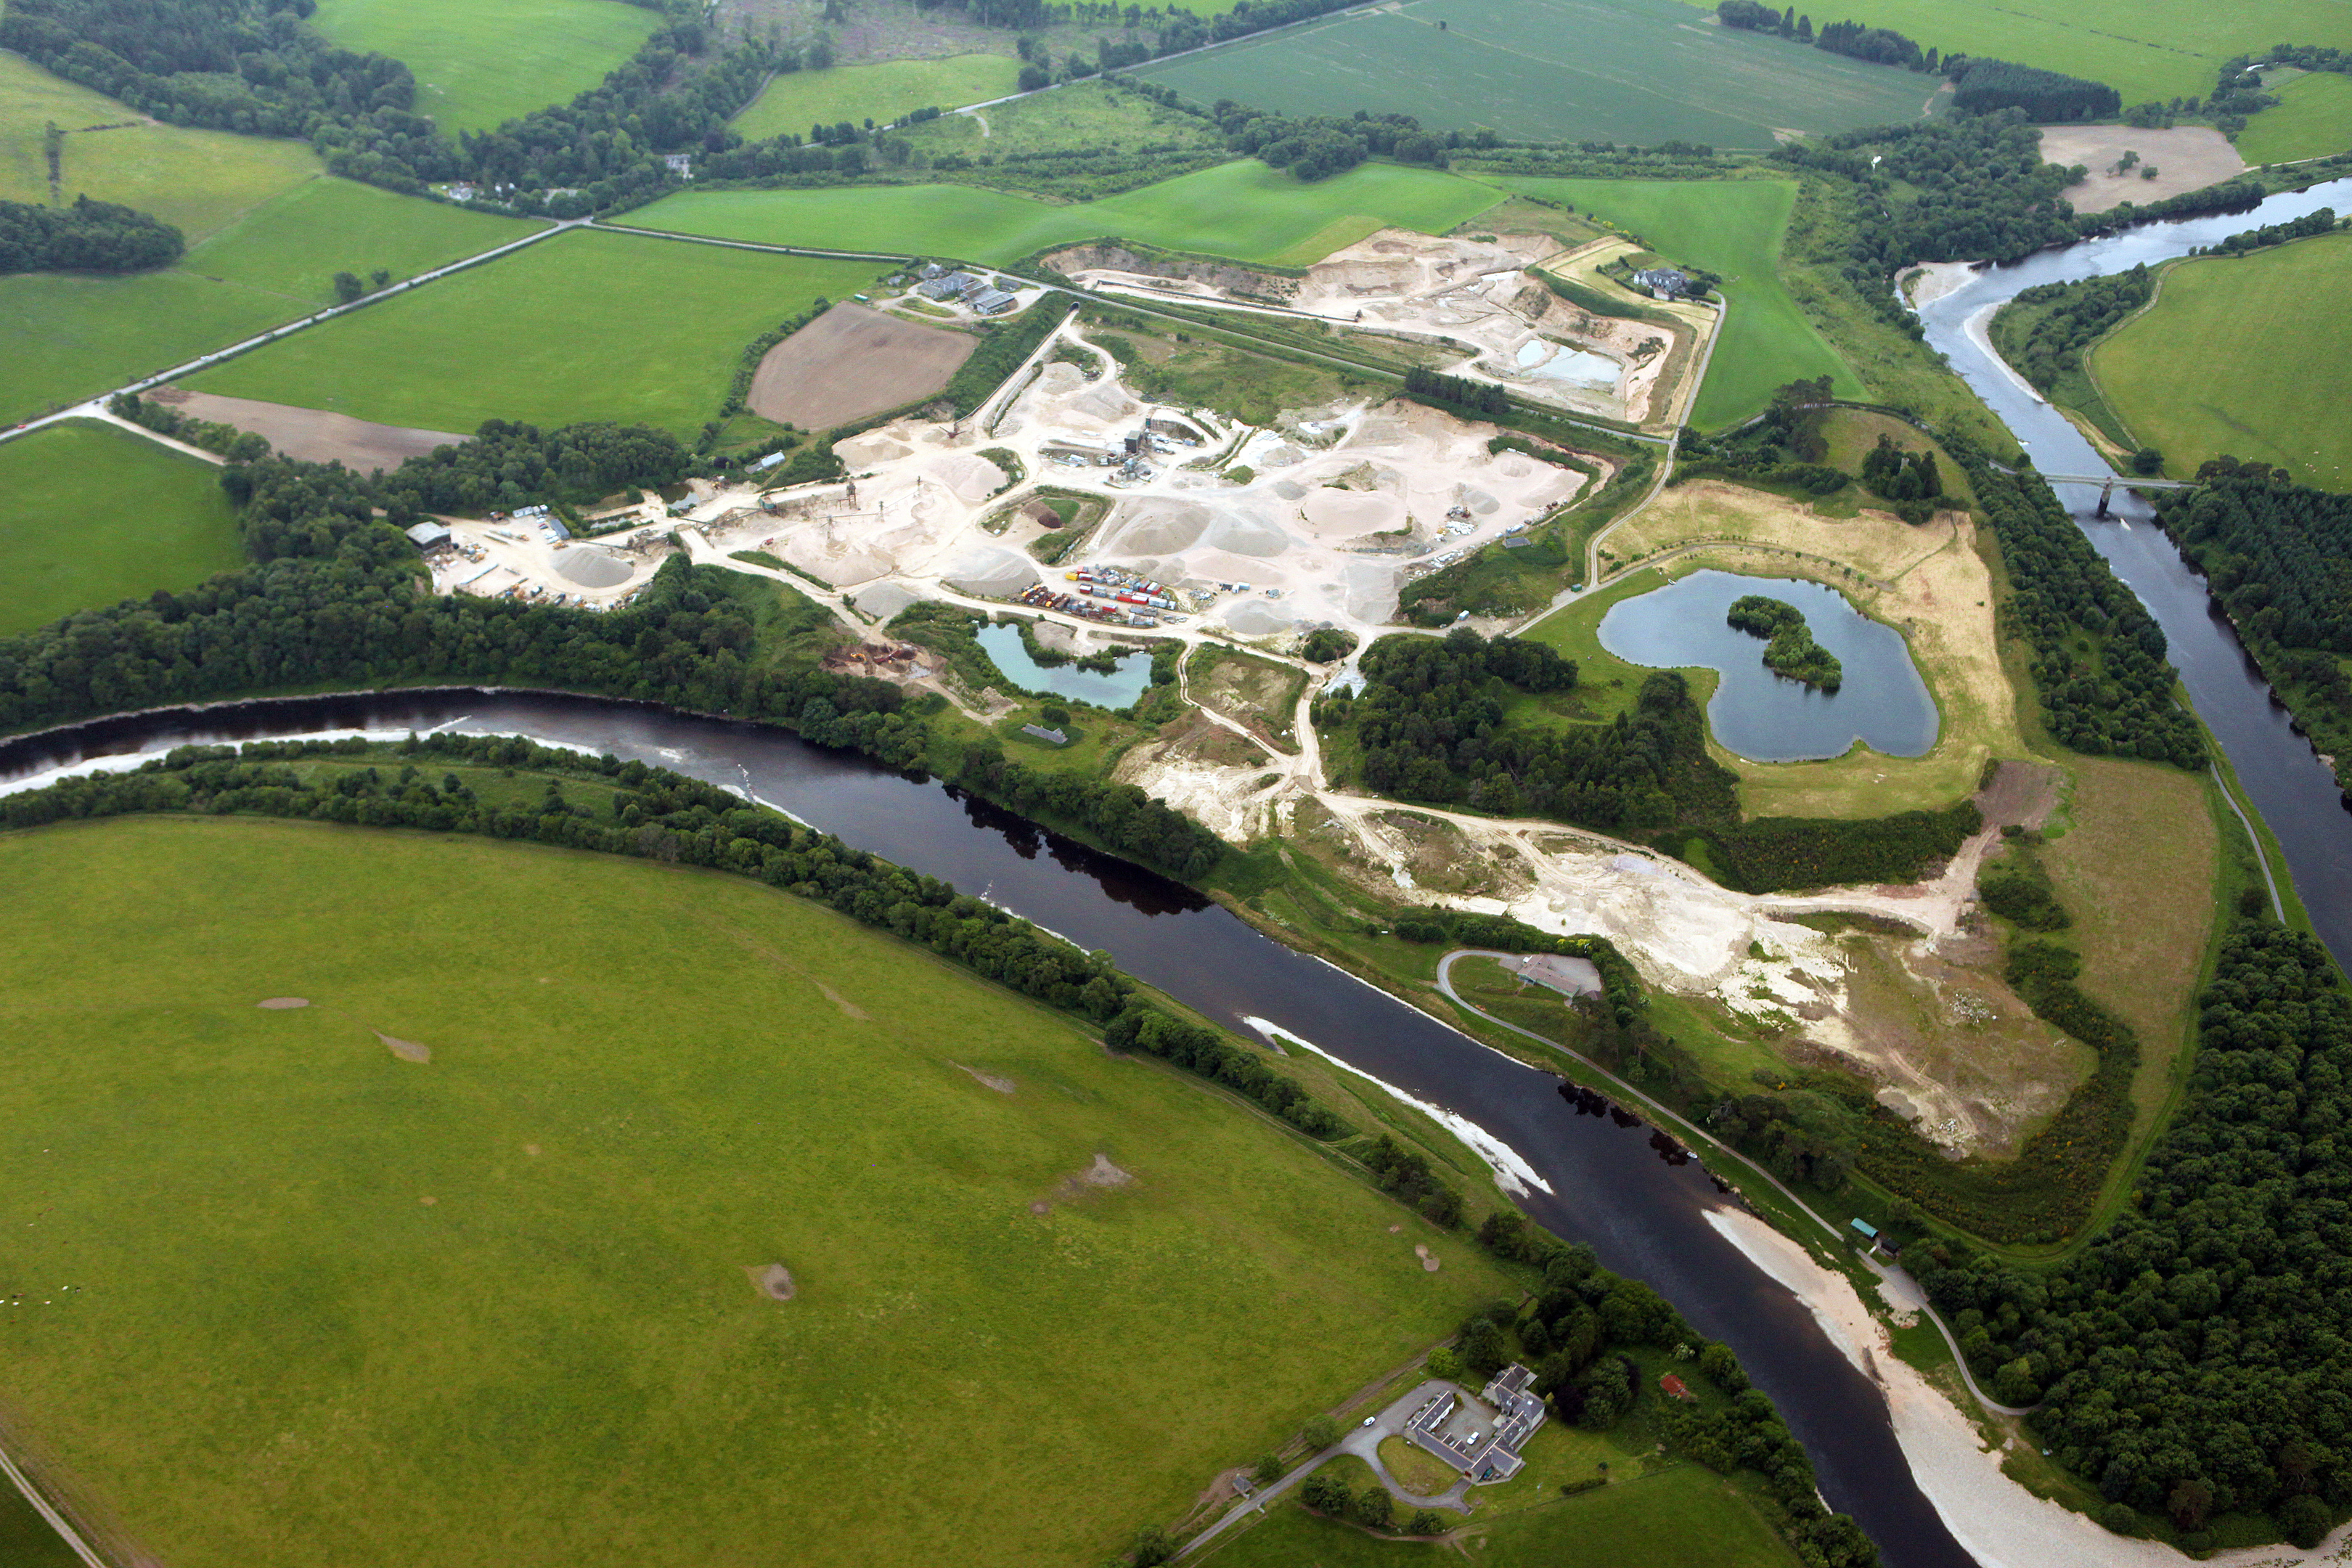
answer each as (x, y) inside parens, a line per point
(429, 536)
(1665, 282)
(992, 301)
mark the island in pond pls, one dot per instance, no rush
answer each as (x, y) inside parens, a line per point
(1791, 652)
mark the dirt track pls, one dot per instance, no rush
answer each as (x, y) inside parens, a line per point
(852, 362)
(313, 434)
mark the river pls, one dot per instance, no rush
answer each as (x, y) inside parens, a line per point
(1595, 1178)
(2294, 791)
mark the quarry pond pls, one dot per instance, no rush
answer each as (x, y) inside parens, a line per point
(1118, 688)
(1883, 702)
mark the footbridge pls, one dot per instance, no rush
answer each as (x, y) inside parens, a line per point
(2107, 484)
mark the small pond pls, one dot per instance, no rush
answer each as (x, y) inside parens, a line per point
(1117, 689)
(1550, 362)
(1883, 702)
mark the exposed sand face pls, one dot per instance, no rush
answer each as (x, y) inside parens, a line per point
(2186, 158)
(1998, 1521)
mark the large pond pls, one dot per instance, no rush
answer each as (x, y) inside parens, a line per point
(1120, 688)
(1549, 360)
(1883, 702)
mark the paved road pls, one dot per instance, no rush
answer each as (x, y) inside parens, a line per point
(1901, 1291)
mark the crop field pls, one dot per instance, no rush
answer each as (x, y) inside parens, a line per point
(1639, 71)
(798, 100)
(1734, 230)
(1242, 209)
(2241, 356)
(2145, 50)
(307, 1301)
(477, 65)
(2314, 117)
(585, 326)
(852, 362)
(198, 180)
(91, 515)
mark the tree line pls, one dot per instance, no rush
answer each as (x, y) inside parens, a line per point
(2079, 315)
(87, 237)
(2190, 1361)
(1980, 84)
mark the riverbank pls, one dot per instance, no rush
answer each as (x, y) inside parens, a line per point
(1999, 1521)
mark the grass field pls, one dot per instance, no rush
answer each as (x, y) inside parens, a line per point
(91, 515)
(1681, 1515)
(2143, 49)
(1241, 209)
(798, 100)
(2314, 117)
(478, 65)
(1732, 228)
(2241, 356)
(64, 338)
(361, 1309)
(1548, 71)
(585, 326)
(198, 180)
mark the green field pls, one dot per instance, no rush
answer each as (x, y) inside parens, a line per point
(1241, 209)
(2312, 119)
(328, 1305)
(63, 337)
(2242, 355)
(2145, 50)
(478, 65)
(1549, 70)
(1084, 116)
(199, 180)
(91, 515)
(585, 326)
(798, 100)
(1683, 1515)
(1733, 228)
(296, 245)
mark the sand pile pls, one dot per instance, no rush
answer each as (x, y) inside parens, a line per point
(1256, 618)
(973, 477)
(1342, 514)
(883, 600)
(1106, 403)
(1156, 527)
(990, 571)
(872, 447)
(591, 568)
(1247, 533)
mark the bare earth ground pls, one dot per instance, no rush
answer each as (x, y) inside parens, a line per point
(852, 362)
(2187, 158)
(1928, 583)
(313, 434)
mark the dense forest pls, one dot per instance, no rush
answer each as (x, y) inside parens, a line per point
(1790, 650)
(1430, 719)
(1988, 85)
(87, 237)
(2191, 1361)
(2079, 315)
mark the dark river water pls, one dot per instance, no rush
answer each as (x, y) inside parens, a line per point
(1598, 1178)
(1881, 701)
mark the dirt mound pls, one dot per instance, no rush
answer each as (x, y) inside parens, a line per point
(874, 446)
(279, 1002)
(852, 363)
(313, 434)
(1342, 514)
(773, 1281)
(1107, 403)
(972, 476)
(884, 600)
(1256, 618)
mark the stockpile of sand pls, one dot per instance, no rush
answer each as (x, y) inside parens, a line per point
(1247, 533)
(591, 567)
(1340, 515)
(1105, 403)
(874, 446)
(990, 571)
(972, 476)
(884, 600)
(1157, 527)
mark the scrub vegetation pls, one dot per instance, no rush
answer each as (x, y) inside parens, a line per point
(558, 333)
(91, 515)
